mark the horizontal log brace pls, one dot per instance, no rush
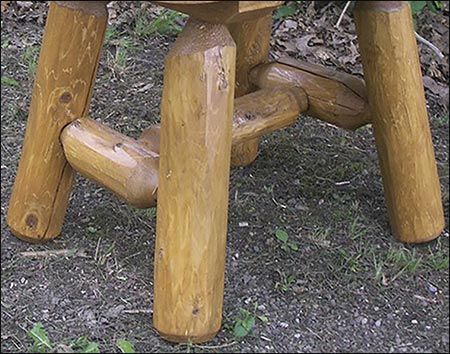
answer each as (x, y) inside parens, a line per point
(130, 167)
(334, 97)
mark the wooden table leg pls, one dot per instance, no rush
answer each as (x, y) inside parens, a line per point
(252, 44)
(400, 121)
(196, 126)
(65, 77)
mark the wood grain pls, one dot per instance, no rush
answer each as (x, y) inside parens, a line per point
(400, 121)
(112, 160)
(337, 98)
(196, 124)
(252, 43)
(63, 87)
(222, 11)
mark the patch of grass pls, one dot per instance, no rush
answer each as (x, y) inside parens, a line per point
(285, 283)
(30, 59)
(355, 231)
(8, 81)
(442, 120)
(438, 260)
(112, 32)
(402, 257)
(283, 237)
(123, 49)
(350, 261)
(379, 275)
(5, 43)
(164, 24)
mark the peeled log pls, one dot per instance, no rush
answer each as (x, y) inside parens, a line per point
(255, 114)
(129, 168)
(113, 160)
(337, 98)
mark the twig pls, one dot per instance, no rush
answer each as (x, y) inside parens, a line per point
(137, 311)
(429, 45)
(54, 253)
(338, 23)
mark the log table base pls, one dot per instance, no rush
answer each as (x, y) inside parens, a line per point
(220, 95)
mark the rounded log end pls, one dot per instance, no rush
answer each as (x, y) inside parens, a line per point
(243, 154)
(142, 184)
(414, 238)
(182, 339)
(30, 237)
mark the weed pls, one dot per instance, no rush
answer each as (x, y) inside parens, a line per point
(41, 343)
(243, 324)
(283, 237)
(125, 346)
(285, 283)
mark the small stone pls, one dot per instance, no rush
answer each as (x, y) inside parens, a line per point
(364, 321)
(296, 182)
(297, 335)
(290, 24)
(414, 322)
(378, 323)
(432, 289)
(284, 325)
(261, 308)
(243, 224)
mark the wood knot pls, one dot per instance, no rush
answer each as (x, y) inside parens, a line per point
(31, 221)
(66, 97)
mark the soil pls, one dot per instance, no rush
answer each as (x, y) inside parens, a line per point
(350, 286)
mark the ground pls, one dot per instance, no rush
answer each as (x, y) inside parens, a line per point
(349, 287)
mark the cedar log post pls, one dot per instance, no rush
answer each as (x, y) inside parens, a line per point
(63, 86)
(400, 121)
(252, 39)
(196, 124)
(334, 97)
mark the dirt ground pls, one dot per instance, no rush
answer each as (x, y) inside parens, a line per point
(350, 286)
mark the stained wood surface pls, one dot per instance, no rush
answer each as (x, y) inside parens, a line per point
(252, 42)
(113, 160)
(337, 98)
(196, 125)
(63, 87)
(222, 11)
(400, 120)
(130, 168)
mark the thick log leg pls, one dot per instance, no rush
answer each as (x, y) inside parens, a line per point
(252, 43)
(63, 87)
(196, 125)
(402, 134)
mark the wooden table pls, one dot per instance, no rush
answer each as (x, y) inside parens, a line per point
(219, 96)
